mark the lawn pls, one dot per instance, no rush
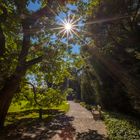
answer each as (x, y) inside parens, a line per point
(18, 112)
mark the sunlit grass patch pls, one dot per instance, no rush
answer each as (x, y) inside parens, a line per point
(63, 107)
(15, 107)
(18, 112)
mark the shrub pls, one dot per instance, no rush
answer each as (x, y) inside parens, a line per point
(122, 127)
(89, 107)
(76, 101)
(83, 104)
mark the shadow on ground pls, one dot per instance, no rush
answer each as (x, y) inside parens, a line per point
(28, 128)
(56, 126)
(90, 135)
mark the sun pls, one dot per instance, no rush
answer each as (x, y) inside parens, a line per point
(68, 26)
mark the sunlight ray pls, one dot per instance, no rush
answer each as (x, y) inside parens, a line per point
(69, 26)
(61, 32)
(79, 37)
(87, 33)
(57, 28)
(106, 20)
(78, 25)
(72, 19)
(68, 21)
(75, 33)
(56, 13)
(52, 11)
(70, 32)
(76, 21)
(67, 39)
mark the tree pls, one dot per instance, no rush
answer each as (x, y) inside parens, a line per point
(22, 42)
(112, 35)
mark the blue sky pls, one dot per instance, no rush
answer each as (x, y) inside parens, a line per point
(35, 6)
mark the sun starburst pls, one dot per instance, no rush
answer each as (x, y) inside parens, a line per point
(68, 27)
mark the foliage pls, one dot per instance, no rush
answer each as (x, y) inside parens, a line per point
(112, 66)
(122, 127)
(68, 91)
(83, 104)
(119, 126)
(77, 101)
(89, 92)
(92, 5)
(49, 98)
(87, 106)
(64, 106)
(42, 97)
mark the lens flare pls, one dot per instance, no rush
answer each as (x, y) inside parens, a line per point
(68, 26)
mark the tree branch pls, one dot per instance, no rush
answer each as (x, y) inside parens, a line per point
(26, 24)
(25, 43)
(34, 92)
(47, 11)
(34, 61)
(124, 27)
(137, 9)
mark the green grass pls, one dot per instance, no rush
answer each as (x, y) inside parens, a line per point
(15, 107)
(63, 107)
(18, 112)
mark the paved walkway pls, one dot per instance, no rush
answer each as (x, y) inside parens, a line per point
(77, 124)
(83, 126)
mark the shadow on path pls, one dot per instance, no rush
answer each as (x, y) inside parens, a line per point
(77, 124)
(27, 129)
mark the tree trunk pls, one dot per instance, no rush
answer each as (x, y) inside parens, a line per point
(40, 113)
(7, 93)
(2, 42)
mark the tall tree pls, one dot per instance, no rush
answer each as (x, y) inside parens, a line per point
(116, 42)
(23, 37)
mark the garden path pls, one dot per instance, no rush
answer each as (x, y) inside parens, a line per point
(83, 125)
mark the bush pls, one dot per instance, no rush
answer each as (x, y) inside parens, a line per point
(122, 127)
(83, 104)
(76, 101)
(87, 106)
